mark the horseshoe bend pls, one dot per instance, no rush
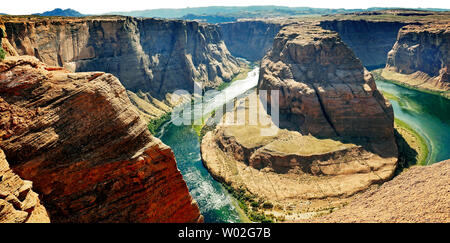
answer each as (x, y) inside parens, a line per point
(322, 118)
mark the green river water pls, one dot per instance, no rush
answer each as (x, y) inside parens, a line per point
(426, 113)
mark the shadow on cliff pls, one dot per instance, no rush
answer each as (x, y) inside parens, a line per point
(407, 156)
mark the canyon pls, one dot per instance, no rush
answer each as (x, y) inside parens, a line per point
(336, 136)
(76, 95)
(151, 57)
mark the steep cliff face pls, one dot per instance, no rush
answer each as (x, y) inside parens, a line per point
(250, 39)
(18, 202)
(156, 56)
(4, 43)
(90, 157)
(423, 53)
(324, 89)
(370, 40)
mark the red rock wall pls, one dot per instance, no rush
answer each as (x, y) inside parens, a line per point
(82, 143)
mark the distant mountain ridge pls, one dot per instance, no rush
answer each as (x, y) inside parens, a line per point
(61, 12)
(231, 13)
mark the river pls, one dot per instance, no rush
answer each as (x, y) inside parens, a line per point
(215, 203)
(426, 113)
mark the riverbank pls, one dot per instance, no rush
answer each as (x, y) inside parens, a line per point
(409, 82)
(412, 147)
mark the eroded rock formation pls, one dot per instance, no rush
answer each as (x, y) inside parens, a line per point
(18, 202)
(324, 89)
(90, 157)
(151, 55)
(421, 56)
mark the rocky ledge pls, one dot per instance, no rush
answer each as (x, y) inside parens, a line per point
(18, 202)
(81, 142)
(420, 194)
(421, 57)
(336, 137)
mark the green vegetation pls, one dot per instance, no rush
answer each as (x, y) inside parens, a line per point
(390, 96)
(203, 128)
(249, 204)
(412, 147)
(155, 124)
(2, 54)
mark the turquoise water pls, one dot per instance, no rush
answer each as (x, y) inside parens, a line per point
(215, 203)
(426, 113)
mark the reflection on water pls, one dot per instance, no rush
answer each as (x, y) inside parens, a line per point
(428, 114)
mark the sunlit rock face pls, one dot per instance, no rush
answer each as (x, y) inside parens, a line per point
(81, 142)
(324, 88)
(18, 202)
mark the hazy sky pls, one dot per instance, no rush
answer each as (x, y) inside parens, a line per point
(97, 7)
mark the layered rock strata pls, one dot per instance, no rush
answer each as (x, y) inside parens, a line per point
(418, 195)
(324, 89)
(18, 202)
(151, 55)
(90, 157)
(421, 57)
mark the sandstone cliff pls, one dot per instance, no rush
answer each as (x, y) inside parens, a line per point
(420, 194)
(18, 202)
(324, 89)
(151, 55)
(250, 39)
(369, 40)
(90, 157)
(421, 57)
